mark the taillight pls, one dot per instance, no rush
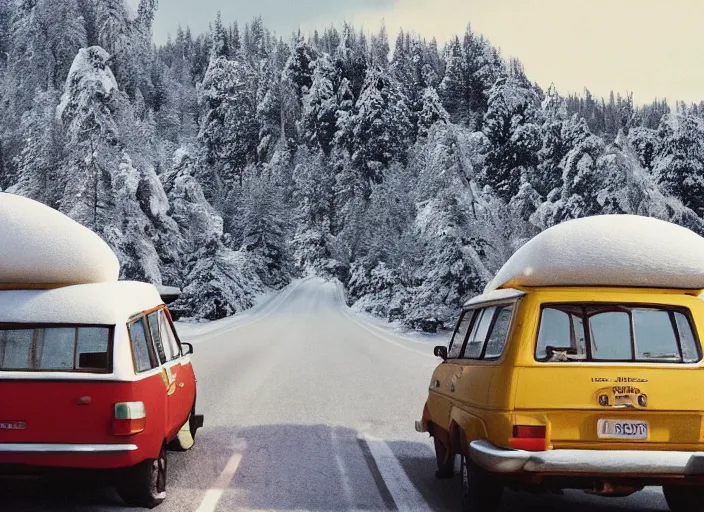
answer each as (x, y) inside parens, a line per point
(528, 437)
(130, 418)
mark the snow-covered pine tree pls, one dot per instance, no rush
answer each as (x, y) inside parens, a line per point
(380, 127)
(216, 281)
(680, 163)
(115, 35)
(483, 67)
(351, 58)
(221, 38)
(269, 107)
(320, 110)
(512, 126)
(379, 49)
(228, 130)
(42, 152)
(453, 87)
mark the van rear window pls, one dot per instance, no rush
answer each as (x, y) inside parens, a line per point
(65, 348)
(615, 333)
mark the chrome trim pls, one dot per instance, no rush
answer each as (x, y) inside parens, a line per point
(419, 426)
(631, 462)
(65, 448)
(497, 460)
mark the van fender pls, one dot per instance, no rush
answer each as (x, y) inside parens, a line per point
(465, 428)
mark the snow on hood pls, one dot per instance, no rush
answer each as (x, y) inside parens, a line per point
(608, 250)
(43, 246)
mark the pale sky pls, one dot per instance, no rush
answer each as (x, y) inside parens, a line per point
(653, 48)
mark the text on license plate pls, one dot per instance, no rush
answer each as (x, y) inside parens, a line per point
(622, 429)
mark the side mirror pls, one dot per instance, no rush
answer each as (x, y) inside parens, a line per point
(186, 349)
(441, 352)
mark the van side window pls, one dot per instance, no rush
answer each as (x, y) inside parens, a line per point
(143, 357)
(153, 319)
(690, 353)
(499, 333)
(480, 330)
(460, 334)
(167, 335)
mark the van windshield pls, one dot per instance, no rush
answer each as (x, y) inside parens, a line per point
(64, 348)
(615, 333)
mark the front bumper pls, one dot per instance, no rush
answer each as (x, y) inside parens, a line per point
(587, 462)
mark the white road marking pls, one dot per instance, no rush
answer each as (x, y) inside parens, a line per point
(344, 477)
(405, 494)
(213, 495)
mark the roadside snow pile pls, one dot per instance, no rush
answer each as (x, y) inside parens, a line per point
(608, 250)
(42, 246)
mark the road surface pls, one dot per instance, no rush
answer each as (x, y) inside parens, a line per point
(307, 407)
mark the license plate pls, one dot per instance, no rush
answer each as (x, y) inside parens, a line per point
(622, 429)
(13, 425)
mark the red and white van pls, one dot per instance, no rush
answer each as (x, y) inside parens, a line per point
(94, 376)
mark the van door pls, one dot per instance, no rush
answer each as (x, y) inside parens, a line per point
(615, 375)
(185, 376)
(465, 379)
(169, 369)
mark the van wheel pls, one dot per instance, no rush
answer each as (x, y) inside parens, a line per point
(684, 498)
(446, 462)
(481, 491)
(145, 484)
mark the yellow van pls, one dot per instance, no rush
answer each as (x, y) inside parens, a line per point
(553, 379)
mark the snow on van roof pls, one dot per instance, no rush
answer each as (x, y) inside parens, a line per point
(608, 250)
(43, 246)
(97, 303)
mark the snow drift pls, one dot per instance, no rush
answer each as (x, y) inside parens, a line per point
(43, 246)
(608, 250)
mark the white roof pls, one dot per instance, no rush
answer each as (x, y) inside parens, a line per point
(608, 250)
(504, 294)
(100, 303)
(43, 246)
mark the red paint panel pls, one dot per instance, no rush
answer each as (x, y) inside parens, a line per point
(58, 412)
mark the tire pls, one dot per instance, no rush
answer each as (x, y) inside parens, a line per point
(144, 485)
(684, 498)
(446, 462)
(481, 491)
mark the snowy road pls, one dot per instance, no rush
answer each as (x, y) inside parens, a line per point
(307, 407)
